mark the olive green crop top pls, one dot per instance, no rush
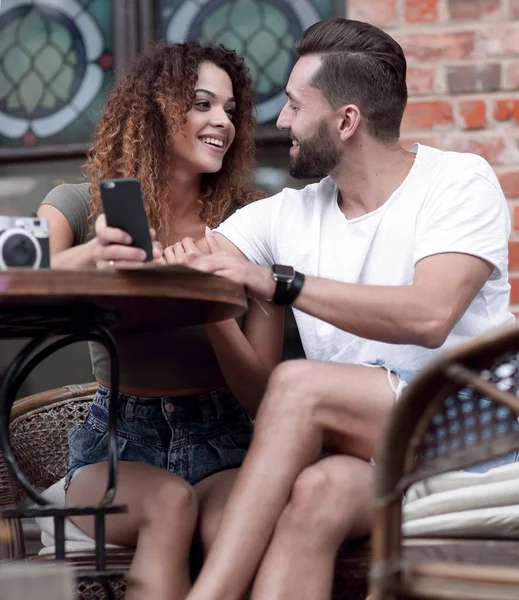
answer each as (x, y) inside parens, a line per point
(180, 359)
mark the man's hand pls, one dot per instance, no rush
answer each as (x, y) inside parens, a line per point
(211, 259)
(113, 249)
(258, 280)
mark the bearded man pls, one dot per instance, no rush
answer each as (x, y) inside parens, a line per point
(391, 258)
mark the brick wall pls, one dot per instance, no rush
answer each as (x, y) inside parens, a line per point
(463, 79)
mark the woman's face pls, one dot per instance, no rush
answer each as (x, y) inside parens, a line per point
(209, 131)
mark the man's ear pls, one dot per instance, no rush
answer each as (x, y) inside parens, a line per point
(348, 120)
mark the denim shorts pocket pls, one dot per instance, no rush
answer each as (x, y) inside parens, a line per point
(89, 445)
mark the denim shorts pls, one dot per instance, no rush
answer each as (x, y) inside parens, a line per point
(190, 436)
(403, 376)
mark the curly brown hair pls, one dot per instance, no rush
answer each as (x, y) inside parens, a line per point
(147, 106)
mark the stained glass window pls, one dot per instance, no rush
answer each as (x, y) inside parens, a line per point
(263, 31)
(55, 70)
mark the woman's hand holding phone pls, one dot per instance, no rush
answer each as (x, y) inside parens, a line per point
(114, 249)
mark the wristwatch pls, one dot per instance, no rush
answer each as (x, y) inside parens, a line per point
(288, 284)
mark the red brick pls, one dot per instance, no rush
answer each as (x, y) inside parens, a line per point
(514, 294)
(511, 79)
(505, 110)
(463, 79)
(437, 46)
(426, 115)
(509, 181)
(421, 10)
(474, 9)
(499, 40)
(376, 12)
(516, 218)
(420, 80)
(513, 255)
(490, 147)
(473, 114)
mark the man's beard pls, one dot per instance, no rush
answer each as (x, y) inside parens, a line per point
(316, 156)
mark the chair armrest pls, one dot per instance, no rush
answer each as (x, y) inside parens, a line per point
(67, 392)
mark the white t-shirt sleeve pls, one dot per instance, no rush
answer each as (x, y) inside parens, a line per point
(466, 214)
(249, 229)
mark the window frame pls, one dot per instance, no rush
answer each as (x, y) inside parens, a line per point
(133, 31)
(125, 30)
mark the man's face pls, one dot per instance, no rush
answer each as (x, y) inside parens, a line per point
(305, 115)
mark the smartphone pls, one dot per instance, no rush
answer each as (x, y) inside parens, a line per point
(123, 205)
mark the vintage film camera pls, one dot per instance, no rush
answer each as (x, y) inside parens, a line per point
(24, 242)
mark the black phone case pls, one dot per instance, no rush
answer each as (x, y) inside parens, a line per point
(124, 208)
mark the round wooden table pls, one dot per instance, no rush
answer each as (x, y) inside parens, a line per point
(57, 308)
(143, 299)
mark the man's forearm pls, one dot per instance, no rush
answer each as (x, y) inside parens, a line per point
(397, 315)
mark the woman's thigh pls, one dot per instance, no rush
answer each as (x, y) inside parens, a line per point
(138, 485)
(212, 494)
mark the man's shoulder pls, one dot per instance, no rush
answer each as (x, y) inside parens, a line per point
(455, 164)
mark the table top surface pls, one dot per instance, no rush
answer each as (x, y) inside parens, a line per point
(144, 299)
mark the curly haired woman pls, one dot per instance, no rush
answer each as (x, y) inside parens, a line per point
(180, 120)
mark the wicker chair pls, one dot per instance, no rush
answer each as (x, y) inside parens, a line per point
(460, 411)
(39, 438)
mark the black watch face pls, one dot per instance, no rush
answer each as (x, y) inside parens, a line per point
(283, 272)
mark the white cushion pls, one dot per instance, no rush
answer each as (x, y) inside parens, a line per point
(465, 504)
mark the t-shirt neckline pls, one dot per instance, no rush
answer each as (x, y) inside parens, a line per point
(415, 149)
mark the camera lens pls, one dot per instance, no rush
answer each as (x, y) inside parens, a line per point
(19, 251)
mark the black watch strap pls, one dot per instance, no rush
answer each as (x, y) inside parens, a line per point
(285, 294)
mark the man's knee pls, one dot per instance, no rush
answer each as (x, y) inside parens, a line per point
(327, 500)
(288, 387)
(313, 508)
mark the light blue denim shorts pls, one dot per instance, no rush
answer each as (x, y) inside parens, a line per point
(190, 436)
(403, 376)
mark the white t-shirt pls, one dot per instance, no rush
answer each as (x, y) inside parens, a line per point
(449, 202)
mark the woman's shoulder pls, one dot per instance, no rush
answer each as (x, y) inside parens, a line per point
(69, 192)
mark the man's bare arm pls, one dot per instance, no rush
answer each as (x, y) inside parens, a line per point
(422, 313)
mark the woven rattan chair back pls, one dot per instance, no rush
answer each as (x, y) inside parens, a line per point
(39, 438)
(459, 411)
(39, 431)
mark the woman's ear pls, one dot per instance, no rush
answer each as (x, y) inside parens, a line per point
(349, 119)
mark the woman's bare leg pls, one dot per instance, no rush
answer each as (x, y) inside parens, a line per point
(212, 494)
(161, 519)
(304, 402)
(330, 502)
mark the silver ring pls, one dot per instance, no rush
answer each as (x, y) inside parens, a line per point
(111, 263)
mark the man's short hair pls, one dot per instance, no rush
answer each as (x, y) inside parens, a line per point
(362, 65)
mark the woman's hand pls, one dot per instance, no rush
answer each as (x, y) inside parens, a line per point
(113, 248)
(188, 250)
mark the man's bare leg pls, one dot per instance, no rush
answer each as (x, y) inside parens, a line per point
(307, 404)
(330, 501)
